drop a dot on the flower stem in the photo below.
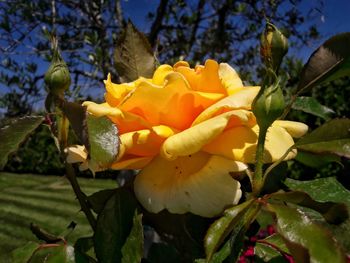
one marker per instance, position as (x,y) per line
(258,173)
(70,174)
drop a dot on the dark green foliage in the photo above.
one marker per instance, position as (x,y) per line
(114,225)
(38,155)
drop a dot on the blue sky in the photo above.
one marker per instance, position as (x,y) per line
(335,18)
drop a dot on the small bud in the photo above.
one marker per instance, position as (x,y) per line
(269,103)
(57,77)
(273,47)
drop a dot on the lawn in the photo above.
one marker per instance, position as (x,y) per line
(45,200)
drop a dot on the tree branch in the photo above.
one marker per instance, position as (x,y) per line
(157,23)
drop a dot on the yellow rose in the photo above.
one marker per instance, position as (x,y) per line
(187,130)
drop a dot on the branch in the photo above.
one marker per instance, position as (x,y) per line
(157,23)
(200,8)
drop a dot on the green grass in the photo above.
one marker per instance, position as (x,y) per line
(44,200)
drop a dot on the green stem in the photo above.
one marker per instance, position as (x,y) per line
(70,174)
(258,173)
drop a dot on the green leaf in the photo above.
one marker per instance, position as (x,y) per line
(327,189)
(114,224)
(98,200)
(81,247)
(328,62)
(222,227)
(332,137)
(76,115)
(306,240)
(323,189)
(24,254)
(132,250)
(61,254)
(12,135)
(317,160)
(53,254)
(103,140)
(312,106)
(266,248)
(334,213)
(134,56)
(98,134)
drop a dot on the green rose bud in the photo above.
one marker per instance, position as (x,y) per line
(273,47)
(269,104)
(57,77)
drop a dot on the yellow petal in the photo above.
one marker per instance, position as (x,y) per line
(239,143)
(295,129)
(125,121)
(229,78)
(205,79)
(103,109)
(174,104)
(193,139)
(181,63)
(161,73)
(200,184)
(145,142)
(240,100)
(131,163)
(76,154)
(117,92)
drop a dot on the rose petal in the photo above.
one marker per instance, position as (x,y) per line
(239,143)
(229,78)
(295,129)
(76,153)
(117,92)
(204,79)
(161,73)
(193,139)
(200,184)
(145,142)
(131,163)
(173,105)
(240,100)
(125,121)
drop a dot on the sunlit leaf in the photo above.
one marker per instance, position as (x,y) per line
(103,140)
(334,213)
(98,134)
(327,189)
(312,106)
(23,254)
(114,224)
(12,135)
(328,62)
(332,137)
(306,240)
(132,250)
(222,227)
(134,56)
